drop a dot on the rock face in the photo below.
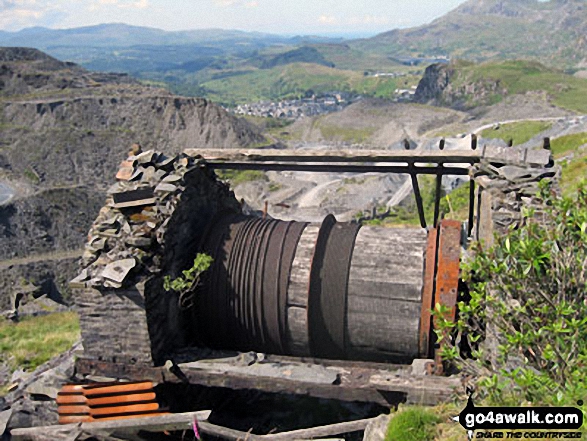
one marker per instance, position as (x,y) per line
(63,130)
(434,82)
(447,85)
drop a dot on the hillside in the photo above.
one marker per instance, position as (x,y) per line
(63,131)
(550,31)
(464,85)
(294,80)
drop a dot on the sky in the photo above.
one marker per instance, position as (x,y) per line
(318,17)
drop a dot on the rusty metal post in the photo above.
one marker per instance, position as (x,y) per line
(438,193)
(428,294)
(447,275)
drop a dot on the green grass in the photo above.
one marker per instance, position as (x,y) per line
(294,80)
(237,177)
(35,340)
(574,170)
(565,144)
(519,132)
(413,424)
(454,206)
(520,77)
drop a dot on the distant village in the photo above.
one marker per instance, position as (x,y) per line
(298,108)
(312,105)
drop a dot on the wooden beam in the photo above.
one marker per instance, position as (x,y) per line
(171,422)
(354,384)
(300,156)
(184,421)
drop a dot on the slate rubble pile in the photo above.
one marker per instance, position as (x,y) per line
(128,236)
(512,188)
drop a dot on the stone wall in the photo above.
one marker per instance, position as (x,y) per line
(504,190)
(151,226)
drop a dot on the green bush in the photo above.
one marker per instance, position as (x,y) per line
(413,424)
(185,284)
(523,332)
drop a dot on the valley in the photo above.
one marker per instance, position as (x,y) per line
(73,102)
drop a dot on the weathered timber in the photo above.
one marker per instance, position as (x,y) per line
(297,331)
(170,422)
(354,384)
(522,156)
(385,293)
(297,293)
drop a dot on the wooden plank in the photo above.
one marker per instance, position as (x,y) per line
(180,422)
(299,279)
(320,431)
(169,422)
(298,339)
(385,292)
(493,153)
(391,156)
(350,389)
(428,390)
(355,384)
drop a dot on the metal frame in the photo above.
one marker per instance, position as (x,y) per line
(360,161)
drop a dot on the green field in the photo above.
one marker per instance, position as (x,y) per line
(574,167)
(294,80)
(518,132)
(520,77)
(35,340)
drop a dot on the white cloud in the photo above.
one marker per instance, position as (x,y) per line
(237,3)
(328,19)
(121,4)
(17,14)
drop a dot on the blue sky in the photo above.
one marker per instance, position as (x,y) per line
(275,16)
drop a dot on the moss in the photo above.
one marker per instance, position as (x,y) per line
(413,424)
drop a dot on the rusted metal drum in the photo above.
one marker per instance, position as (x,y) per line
(331,290)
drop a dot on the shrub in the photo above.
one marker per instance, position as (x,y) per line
(185,284)
(523,332)
(413,424)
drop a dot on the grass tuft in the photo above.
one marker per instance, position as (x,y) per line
(35,340)
(413,424)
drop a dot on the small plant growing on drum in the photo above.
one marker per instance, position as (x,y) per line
(186,284)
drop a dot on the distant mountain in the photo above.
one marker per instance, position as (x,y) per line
(553,32)
(120,35)
(304,54)
(63,132)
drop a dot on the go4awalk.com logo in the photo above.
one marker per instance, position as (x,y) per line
(521,422)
